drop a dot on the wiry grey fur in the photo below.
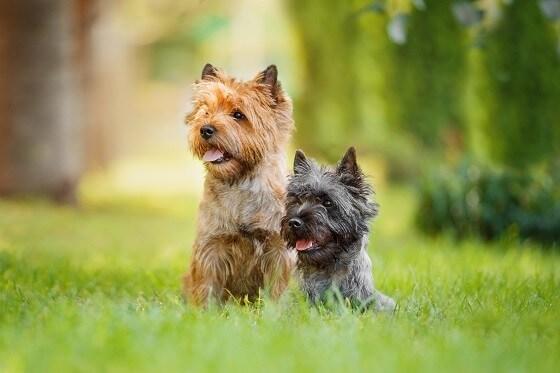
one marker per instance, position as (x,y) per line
(338,263)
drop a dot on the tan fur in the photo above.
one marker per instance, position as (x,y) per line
(238,249)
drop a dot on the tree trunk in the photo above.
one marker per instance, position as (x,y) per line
(41,140)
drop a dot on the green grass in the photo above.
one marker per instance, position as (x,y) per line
(98,288)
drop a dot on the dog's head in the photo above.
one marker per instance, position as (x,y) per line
(326,209)
(235,124)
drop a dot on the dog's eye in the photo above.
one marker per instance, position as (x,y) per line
(327,203)
(294,198)
(238,115)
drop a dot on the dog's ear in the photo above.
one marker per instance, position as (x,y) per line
(348,164)
(209,71)
(269,77)
(351,175)
(301,164)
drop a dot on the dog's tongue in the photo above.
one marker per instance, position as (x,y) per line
(212,155)
(303,244)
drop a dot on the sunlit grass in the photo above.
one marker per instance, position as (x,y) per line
(98,288)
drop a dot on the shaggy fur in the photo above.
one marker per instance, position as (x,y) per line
(327,216)
(238,249)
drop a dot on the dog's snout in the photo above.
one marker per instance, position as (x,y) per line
(295,223)
(207,131)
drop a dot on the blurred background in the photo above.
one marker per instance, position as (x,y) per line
(456,103)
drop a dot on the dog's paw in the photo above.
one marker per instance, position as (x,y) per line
(384,303)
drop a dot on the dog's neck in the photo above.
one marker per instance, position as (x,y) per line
(254,201)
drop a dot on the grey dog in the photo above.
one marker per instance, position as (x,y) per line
(326,221)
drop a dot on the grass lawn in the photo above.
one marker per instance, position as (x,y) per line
(98,288)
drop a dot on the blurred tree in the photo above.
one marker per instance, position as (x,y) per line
(327,111)
(103,58)
(518,87)
(350,67)
(41,143)
(425,73)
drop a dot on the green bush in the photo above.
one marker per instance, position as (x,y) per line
(474,200)
(357,86)
(425,76)
(518,90)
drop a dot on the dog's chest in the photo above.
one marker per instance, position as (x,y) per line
(353,281)
(245,205)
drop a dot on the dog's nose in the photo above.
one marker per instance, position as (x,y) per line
(207,131)
(295,223)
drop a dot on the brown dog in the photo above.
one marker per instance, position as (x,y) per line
(239,130)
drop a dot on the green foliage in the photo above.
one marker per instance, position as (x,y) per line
(490,204)
(98,289)
(518,91)
(358,86)
(327,110)
(424,77)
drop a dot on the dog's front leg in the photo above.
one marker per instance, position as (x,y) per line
(277,264)
(207,276)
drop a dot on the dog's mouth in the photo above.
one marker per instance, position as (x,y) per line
(216,156)
(305,245)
